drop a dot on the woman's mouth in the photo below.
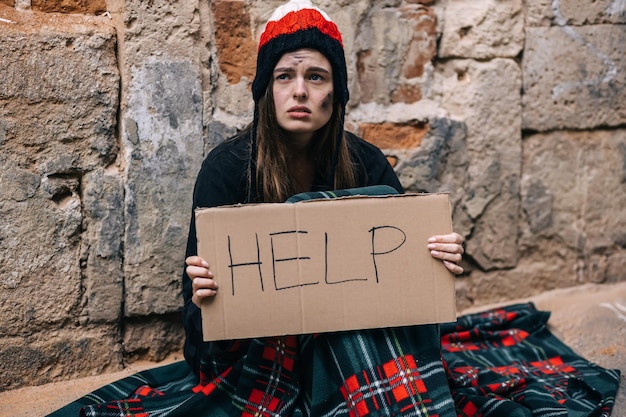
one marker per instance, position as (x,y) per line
(299,112)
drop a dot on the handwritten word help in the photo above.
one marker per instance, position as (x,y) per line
(289,252)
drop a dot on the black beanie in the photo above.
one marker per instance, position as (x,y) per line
(295,25)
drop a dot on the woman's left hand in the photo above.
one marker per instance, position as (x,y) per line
(448,248)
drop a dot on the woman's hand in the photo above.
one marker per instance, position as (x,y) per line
(202,283)
(448,248)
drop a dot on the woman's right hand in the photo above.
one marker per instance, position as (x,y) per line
(202,283)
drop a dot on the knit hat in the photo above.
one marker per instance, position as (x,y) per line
(295,25)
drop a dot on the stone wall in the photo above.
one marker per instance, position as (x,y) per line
(107,109)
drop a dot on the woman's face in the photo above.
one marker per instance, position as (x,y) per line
(303,93)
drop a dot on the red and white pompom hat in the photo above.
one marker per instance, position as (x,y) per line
(295,25)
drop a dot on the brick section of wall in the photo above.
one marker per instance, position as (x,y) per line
(394,135)
(236,50)
(94,7)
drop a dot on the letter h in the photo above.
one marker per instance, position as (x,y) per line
(258,263)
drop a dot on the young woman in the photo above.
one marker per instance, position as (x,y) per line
(296,143)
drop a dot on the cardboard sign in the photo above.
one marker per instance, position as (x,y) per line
(325,265)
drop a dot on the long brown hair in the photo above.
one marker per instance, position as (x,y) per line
(274,183)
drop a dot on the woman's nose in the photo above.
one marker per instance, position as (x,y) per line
(300,90)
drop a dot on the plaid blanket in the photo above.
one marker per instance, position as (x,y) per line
(502,362)
(506,362)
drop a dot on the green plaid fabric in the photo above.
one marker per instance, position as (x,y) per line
(505,362)
(500,363)
(362,191)
(387,372)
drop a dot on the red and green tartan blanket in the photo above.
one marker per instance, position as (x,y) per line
(501,362)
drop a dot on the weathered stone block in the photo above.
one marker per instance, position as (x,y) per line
(66,81)
(152,338)
(102,254)
(39,242)
(574,12)
(436,161)
(616,265)
(482,29)
(58,355)
(570,73)
(573,199)
(158,29)
(395,47)
(58,106)
(163,137)
(438,164)
(485,96)
(528,279)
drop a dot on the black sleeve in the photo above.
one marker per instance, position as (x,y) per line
(385,175)
(221,181)
(373,168)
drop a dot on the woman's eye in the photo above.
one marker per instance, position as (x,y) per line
(316,77)
(282,77)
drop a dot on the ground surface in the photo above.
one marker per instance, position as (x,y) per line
(591,319)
